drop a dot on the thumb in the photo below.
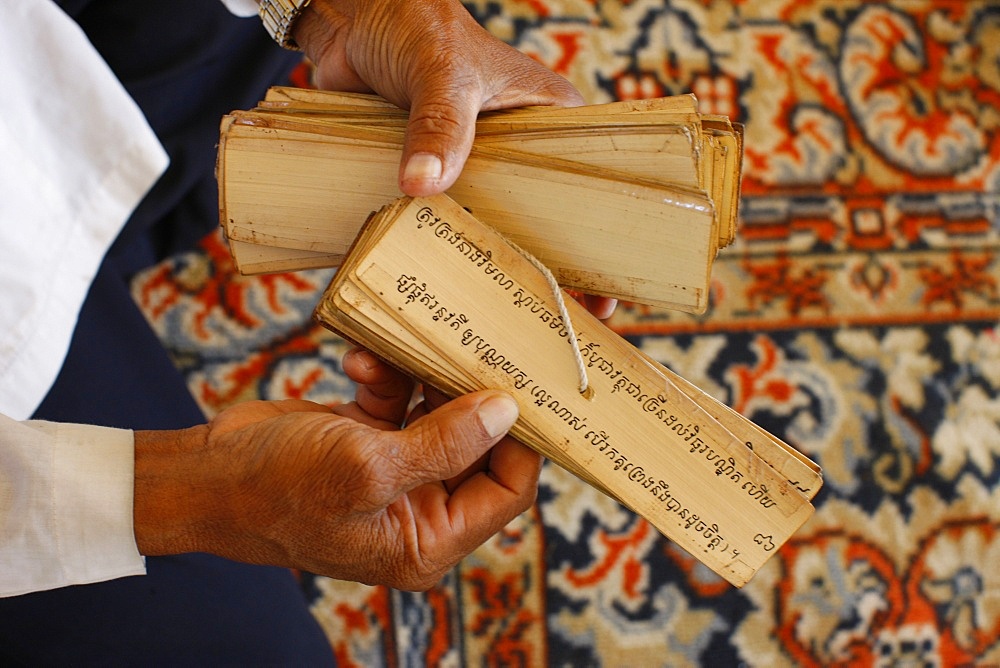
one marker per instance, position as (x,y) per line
(450,439)
(439,136)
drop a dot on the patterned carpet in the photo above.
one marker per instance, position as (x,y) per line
(855,317)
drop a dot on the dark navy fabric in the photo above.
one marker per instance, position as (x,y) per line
(186,62)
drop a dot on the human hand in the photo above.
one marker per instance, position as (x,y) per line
(339,491)
(431,57)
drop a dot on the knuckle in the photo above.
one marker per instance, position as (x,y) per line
(369,473)
(420,575)
(445,446)
(434,119)
(379,483)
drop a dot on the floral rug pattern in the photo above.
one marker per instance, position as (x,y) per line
(855,317)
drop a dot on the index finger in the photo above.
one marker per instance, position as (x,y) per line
(382,391)
(462,518)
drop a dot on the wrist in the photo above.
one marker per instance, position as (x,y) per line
(172,501)
(316,26)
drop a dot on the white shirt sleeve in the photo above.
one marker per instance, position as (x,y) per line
(78,155)
(242,7)
(65,505)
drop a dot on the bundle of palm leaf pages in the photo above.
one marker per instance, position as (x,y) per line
(628,199)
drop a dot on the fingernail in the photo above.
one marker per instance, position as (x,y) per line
(498,414)
(423,167)
(368,360)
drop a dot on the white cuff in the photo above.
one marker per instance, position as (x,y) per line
(65,506)
(242,7)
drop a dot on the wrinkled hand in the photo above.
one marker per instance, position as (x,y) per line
(433,58)
(342,492)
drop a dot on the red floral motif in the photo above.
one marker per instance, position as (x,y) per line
(902,81)
(300,389)
(234,289)
(842,602)
(776,280)
(619,552)
(968,275)
(761,380)
(798,135)
(220,290)
(441,641)
(502,615)
(364,616)
(837,593)
(227,387)
(958,596)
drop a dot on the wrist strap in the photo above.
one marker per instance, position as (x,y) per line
(279,16)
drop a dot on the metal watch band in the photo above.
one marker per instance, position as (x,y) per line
(279,16)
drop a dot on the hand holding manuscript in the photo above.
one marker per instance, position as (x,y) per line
(439,294)
(630,199)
